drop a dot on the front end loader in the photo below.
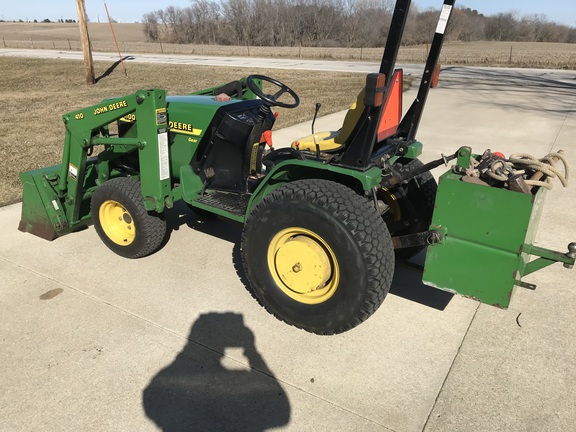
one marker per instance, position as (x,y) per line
(324,220)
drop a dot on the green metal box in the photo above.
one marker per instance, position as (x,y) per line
(487,236)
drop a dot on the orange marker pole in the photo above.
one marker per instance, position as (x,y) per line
(115,41)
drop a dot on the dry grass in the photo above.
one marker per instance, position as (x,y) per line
(35,94)
(132,40)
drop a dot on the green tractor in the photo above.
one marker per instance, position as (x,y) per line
(324,220)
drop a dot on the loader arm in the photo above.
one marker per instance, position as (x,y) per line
(56,199)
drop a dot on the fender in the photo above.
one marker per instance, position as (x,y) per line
(295,169)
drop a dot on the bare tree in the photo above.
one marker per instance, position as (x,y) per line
(470,25)
(421,26)
(352,23)
(204,15)
(151,27)
(535,28)
(365,22)
(502,27)
(237,13)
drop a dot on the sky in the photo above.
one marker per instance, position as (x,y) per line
(560,11)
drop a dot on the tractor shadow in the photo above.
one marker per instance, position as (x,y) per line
(181,215)
(407,281)
(217,382)
(407,284)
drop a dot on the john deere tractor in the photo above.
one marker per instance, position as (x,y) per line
(324,220)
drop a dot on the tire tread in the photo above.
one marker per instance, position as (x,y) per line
(152,227)
(365,224)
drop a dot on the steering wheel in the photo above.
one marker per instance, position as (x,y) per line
(271,100)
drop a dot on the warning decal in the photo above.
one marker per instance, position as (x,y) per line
(73,172)
(161,116)
(163,155)
(443,21)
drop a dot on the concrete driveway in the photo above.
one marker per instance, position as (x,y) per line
(94,342)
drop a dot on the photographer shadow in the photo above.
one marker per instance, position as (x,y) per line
(206,388)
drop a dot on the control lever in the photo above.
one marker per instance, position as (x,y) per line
(318,105)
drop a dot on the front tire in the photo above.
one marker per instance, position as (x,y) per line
(122,222)
(317,256)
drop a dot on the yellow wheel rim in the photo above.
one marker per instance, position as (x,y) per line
(303,265)
(117,223)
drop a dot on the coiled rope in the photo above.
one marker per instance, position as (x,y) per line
(533,168)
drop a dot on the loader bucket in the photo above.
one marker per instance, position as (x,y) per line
(487,234)
(42,211)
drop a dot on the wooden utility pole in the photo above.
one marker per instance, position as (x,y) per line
(85,38)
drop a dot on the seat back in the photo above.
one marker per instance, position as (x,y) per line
(351,118)
(332,141)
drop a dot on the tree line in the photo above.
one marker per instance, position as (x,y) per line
(46,20)
(334,23)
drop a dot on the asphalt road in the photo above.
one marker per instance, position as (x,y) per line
(514,76)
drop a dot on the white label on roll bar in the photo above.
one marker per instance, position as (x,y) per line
(443,21)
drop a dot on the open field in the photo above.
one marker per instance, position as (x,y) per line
(35,94)
(132,40)
(38,92)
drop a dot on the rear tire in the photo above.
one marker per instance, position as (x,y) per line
(317,256)
(122,222)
